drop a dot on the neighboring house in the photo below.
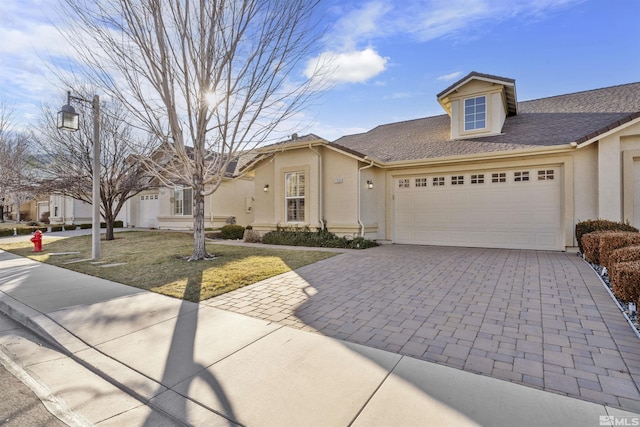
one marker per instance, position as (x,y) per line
(171,208)
(491,172)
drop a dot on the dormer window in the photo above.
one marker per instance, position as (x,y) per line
(475,113)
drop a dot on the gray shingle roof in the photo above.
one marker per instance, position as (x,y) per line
(556,120)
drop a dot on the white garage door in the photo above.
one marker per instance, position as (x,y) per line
(148,212)
(518,209)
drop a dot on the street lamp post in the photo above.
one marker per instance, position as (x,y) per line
(68,120)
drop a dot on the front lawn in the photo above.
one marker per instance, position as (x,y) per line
(155,261)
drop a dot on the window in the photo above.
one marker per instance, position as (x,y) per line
(457,180)
(475,113)
(182,201)
(294,196)
(421,182)
(477,179)
(520,176)
(403,183)
(499,177)
(545,175)
(438,181)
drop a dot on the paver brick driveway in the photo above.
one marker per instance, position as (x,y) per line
(538,318)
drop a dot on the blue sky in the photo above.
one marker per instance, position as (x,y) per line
(393,58)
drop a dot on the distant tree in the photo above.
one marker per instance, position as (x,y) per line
(18,167)
(67,160)
(210,79)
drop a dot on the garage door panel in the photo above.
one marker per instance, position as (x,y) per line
(507,214)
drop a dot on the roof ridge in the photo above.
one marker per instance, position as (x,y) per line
(578,92)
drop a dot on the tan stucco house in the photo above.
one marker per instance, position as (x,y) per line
(491,172)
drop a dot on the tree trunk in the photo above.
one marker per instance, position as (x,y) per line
(109,233)
(199,250)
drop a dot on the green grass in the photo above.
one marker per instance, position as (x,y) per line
(155,261)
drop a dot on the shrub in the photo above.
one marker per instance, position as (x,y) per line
(232,231)
(116,224)
(589,226)
(611,241)
(32,224)
(251,236)
(6,232)
(591,246)
(622,255)
(85,226)
(320,238)
(626,284)
(56,228)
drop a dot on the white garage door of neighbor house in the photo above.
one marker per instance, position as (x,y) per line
(148,213)
(516,209)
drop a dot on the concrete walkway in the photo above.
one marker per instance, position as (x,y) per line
(196,364)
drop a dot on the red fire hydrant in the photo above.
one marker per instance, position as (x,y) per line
(37,241)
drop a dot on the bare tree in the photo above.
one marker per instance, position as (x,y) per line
(18,167)
(212,79)
(68,160)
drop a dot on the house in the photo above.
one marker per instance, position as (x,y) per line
(490,172)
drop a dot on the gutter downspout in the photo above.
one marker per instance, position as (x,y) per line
(360,195)
(320,188)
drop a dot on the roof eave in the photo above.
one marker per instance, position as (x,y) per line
(492,155)
(614,127)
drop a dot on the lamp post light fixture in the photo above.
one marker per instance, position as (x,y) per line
(68,119)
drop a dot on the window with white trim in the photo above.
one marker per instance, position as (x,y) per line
(477,179)
(421,182)
(521,176)
(545,175)
(438,181)
(294,196)
(499,177)
(182,201)
(475,113)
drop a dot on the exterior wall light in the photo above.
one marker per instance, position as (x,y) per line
(266,188)
(370,184)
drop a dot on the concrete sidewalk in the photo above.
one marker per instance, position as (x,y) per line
(182,362)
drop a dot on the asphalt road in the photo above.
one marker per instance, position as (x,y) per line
(19,406)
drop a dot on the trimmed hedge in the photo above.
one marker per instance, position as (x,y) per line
(589,226)
(116,224)
(232,232)
(617,260)
(55,228)
(591,246)
(85,226)
(6,232)
(28,230)
(320,238)
(626,284)
(609,242)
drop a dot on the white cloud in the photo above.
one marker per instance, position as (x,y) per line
(450,76)
(348,67)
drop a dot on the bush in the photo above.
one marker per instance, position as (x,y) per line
(32,224)
(589,226)
(617,257)
(116,224)
(85,226)
(56,228)
(320,238)
(6,232)
(232,232)
(609,242)
(591,246)
(626,284)
(251,236)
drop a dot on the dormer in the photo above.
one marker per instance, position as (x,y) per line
(478,105)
